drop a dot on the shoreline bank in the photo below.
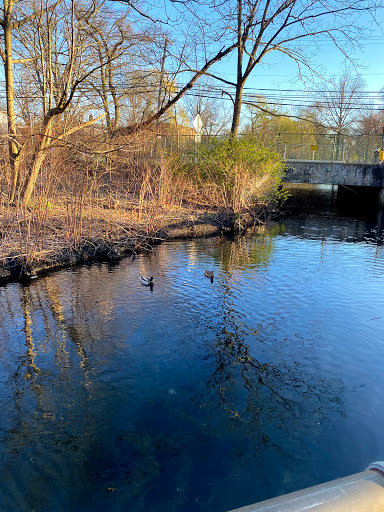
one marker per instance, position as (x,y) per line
(119,241)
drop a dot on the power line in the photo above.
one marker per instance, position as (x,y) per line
(270,97)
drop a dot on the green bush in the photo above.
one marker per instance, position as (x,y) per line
(236,173)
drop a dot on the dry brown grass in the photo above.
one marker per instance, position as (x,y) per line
(96,195)
(104,190)
(38,233)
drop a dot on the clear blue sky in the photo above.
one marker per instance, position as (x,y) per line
(277,71)
(277,77)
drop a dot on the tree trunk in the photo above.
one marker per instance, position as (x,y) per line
(237,110)
(38,160)
(12,132)
(240,81)
(42,151)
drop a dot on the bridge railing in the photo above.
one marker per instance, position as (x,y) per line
(345,148)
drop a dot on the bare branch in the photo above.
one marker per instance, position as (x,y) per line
(17,24)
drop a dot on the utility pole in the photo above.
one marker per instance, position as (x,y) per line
(166,41)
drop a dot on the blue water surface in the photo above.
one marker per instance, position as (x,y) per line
(197,396)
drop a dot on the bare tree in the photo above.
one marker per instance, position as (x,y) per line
(185,54)
(338,101)
(9,22)
(336,109)
(261,27)
(60,59)
(179,92)
(117,45)
(371,123)
(255,28)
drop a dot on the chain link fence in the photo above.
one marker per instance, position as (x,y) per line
(291,146)
(336,148)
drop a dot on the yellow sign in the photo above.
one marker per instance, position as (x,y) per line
(314,148)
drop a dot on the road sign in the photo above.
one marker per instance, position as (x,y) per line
(198,123)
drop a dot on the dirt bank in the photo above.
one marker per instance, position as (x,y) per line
(31,246)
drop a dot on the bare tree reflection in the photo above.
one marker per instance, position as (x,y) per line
(46,419)
(65,396)
(264,396)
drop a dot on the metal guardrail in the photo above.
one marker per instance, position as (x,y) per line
(362,492)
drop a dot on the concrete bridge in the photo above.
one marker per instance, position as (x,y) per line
(323,172)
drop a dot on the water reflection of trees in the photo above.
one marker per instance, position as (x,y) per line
(254,391)
(62,325)
(316,226)
(266,398)
(253,250)
(45,420)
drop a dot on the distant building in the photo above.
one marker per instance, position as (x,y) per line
(169,128)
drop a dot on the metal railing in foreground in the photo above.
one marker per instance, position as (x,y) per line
(362,492)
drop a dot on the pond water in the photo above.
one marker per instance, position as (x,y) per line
(197,396)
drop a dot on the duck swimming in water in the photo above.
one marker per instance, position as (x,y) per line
(146,281)
(209,273)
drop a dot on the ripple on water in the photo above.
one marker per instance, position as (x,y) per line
(195,394)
